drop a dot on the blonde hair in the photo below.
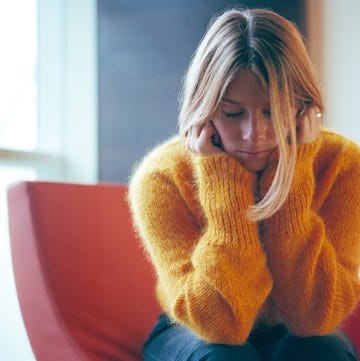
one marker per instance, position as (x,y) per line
(273,48)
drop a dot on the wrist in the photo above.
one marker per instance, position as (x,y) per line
(304,159)
(223,168)
(226,189)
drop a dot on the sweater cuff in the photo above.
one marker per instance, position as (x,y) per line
(222,167)
(304,159)
(292,217)
(305,153)
(226,190)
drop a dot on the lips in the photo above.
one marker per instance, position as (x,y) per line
(254,154)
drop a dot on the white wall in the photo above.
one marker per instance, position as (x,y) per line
(334,29)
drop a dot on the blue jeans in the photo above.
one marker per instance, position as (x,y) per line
(171,342)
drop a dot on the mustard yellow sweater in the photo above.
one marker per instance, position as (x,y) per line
(221,275)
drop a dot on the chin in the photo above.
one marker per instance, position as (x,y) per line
(254,166)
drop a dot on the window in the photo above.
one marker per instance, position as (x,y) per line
(48,118)
(18,75)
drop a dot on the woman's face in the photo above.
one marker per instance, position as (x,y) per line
(244,122)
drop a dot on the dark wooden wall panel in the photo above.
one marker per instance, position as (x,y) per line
(143,50)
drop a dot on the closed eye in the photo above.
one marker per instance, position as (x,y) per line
(233,114)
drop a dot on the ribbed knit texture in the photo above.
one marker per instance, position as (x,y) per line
(216,274)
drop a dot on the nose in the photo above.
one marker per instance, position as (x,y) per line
(255,129)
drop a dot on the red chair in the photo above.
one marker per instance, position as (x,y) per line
(86,291)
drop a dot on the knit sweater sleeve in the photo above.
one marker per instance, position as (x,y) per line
(314,251)
(214,278)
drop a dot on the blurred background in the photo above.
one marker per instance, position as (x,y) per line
(88,86)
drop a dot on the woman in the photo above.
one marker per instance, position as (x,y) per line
(251,215)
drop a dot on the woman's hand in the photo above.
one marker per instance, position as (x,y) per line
(309,126)
(204,139)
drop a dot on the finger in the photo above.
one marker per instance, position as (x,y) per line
(312,119)
(305,126)
(200,139)
(205,138)
(195,138)
(318,119)
(309,126)
(315,122)
(192,138)
(212,138)
(216,140)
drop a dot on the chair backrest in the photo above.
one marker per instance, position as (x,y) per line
(85,289)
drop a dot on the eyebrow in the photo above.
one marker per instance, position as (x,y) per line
(231,101)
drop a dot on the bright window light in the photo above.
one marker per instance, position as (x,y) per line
(18,74)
